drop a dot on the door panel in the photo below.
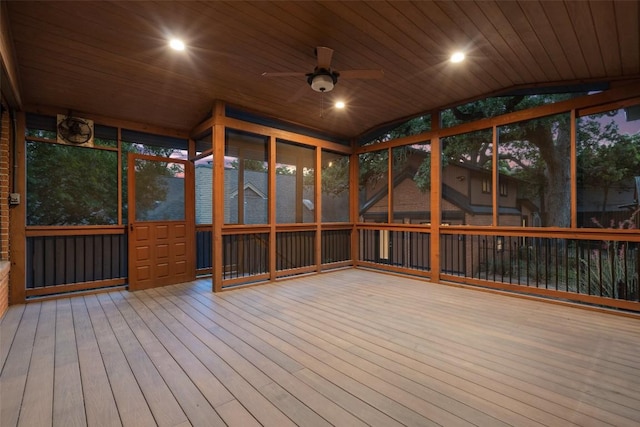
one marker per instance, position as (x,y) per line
(161,222)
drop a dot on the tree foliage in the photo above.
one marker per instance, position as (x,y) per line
(69,185)
(251,165)
(151,185)
(606,157)
(537,152)
(335,176)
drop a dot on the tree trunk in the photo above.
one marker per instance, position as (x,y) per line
(557,197)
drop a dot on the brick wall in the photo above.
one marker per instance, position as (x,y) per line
(4,209)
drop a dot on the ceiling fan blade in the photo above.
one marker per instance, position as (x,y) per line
(283,74)
(303,90)
(324,55)
(361,74)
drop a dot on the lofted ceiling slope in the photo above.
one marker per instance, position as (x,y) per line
(112,59)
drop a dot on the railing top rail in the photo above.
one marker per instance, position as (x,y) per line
(74,230)
(632,235)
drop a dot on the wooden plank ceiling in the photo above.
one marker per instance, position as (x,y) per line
(112,59)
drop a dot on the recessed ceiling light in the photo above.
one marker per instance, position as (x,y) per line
(176,44)
(340,104)
(457,57)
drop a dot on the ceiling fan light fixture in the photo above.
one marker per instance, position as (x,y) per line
(322,82)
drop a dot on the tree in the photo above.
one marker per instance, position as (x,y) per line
(69,185)
(151,185)
(606,157)
(250,164)
(536,151)
(335,176)
(540,152)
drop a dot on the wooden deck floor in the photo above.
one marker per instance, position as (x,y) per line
(345,348)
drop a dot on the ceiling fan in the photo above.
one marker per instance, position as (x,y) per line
(323,78)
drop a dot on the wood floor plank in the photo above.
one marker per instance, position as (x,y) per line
(8,328)
(37,404)
(453,330)
(349,347)
(16,367)
(239,377)
(197,322)
(68,404)
(288,385)
(542,369)
(234,414)
(166,410)
(271,354)
(457,399)
(464,348)
(292,407)
(562,348)
(99,401)
(229,326)
(268,359)
(195,406)
(367,413)
(384,395)
(441,407)
(214,391)
(413,343)
(132,406)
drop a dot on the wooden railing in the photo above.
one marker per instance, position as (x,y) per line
(245,256)
(295,252)
(602,271)
(336,247)
(61,260)
(203,249)
(594,266)
(74,259)
(401,249)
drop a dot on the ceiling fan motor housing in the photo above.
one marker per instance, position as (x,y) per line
(322,80)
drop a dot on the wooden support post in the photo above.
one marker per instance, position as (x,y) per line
(354,204)
(17,219)
(389,185)
(272,208)
(495,177)
(317,206)
(436,197)
(120,168)
(217,199)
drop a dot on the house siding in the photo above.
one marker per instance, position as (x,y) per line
(256,197)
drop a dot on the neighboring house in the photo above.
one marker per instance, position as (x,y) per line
(256,190)
(618,205)
(466,198)
(171,207)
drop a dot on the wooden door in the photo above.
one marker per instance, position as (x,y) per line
(161,221)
